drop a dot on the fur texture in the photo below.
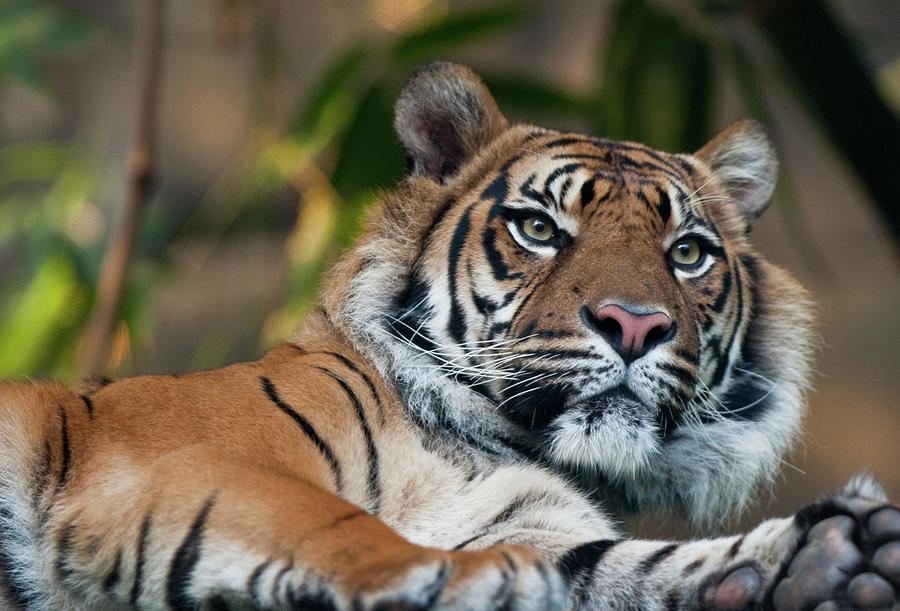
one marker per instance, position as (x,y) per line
(533,326)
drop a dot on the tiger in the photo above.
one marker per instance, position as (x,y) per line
(536,332)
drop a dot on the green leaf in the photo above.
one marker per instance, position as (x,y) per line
(29,33)
(330,101)
(19,64)
(24,28)
(35,316)
(31,162)
(69,32)
(369,155)
(456,30)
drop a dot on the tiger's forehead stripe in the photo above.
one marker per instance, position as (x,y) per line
(649,176)
(618,153)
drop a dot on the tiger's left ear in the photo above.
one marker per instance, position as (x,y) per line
(743,159)
(443,117)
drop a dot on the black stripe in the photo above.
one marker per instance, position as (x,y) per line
(488,242)
(550,334)
(253,580)
(338,521)
(561,354)
(681,374)
(374,486)
(734,549)
(642,197)
(315,600)
(216,603)
(16,589)
(664,207)
(101,381)
(63,547)
(455,325)
(529,192)
(693,566)
(588,193)
(648,564)
(352,367)
(724,293)
(564,189)
(582,560)
(185,561)
(523,302)
(89,405)
(499,268)
(687,355)
(469,540)
(515,505)
(42,478)
(276,584)
(724,362)
(139,559)
(441,213)
(501,595)
(66,457)
(307,428)
(560,171)
(115,574)
(615,158)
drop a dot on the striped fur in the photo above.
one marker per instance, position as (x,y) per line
(429,436)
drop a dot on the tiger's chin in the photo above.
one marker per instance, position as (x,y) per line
(613,434)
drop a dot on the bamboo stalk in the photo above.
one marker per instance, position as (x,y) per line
(119,250)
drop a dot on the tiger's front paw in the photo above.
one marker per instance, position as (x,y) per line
(849,558)
(500,577)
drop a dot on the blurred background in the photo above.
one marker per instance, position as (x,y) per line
(267,129)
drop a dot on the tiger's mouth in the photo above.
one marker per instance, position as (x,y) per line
(596,406)
(612,432)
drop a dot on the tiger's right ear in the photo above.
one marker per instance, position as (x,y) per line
(443,117)
(743,158)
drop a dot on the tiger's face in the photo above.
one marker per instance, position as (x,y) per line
(589,302)
(589,288)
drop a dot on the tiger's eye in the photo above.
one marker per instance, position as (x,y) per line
(538,228)
(686,252)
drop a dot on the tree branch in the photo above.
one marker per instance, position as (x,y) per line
(119,250)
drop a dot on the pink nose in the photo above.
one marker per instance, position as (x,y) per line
(631,335)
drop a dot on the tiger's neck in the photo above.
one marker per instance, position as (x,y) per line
(439,407)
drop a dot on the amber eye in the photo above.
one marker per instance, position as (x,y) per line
(538,228)
(686,252)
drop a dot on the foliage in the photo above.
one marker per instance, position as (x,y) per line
(34,32)
(655,81)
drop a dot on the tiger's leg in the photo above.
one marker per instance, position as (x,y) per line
(197,529)
(843,552)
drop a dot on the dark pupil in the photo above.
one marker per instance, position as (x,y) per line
(538,226)
(685,250)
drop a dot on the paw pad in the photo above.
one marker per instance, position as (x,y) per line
(885,523)
(831,572)
(736,591)
(868,590)
(887,561)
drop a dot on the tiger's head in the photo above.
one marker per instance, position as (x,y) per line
(589,303)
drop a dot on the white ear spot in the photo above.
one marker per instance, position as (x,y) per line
(743,159)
